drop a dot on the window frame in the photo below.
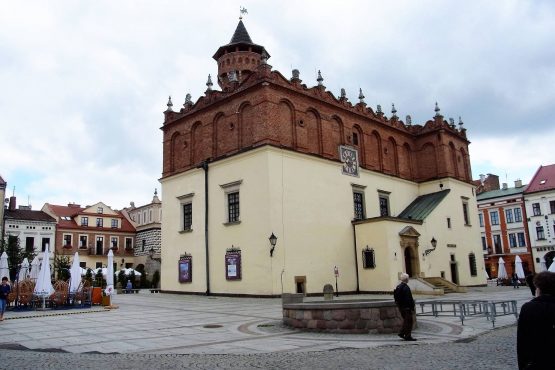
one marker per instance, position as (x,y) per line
(494,220)
(65,244)
(114,223)
(481,219)
(472,264)
(384,203)
(184,200)
(81,236)
(128,246)
(32,244)
(112,239)
(465,209)
(232,214)
(540,233)
(518,214)
(359,205)
(99,222)
(509,215)
(536,209)
(84,221)
(521,238)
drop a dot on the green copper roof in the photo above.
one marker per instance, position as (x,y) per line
(422,206)
(500,193)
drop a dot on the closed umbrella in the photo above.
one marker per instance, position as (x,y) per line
(501,272)
(4,269)
(35,266)
(43,286)
(518,268)
(24,270)
(110,275)
(552,267)
(75,272)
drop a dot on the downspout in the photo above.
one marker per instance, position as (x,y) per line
(356,258)
(204,166)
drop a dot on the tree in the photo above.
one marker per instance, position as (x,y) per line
(62,266)
(15,254)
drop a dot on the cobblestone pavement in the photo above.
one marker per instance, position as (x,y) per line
(178,331)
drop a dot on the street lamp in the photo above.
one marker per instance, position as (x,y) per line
(273,241)
(434,244)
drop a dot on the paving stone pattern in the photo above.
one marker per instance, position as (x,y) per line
(162,331)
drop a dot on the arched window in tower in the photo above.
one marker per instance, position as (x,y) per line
(355,138)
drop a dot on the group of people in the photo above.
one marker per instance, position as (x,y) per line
(536,322)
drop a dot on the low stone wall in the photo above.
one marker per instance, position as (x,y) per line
(344,316)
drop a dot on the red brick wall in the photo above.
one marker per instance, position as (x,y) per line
(268,109)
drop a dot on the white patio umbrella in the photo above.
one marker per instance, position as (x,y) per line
(75,272)
(24,270)
(518,268)
(83,271)
(34,273)
(551,267)
(501,272)
(43,286)
(543,267)
(103,269)
(110,278)
(4,269)
(128,271)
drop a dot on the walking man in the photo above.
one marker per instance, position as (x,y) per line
(405,303)
(4,291)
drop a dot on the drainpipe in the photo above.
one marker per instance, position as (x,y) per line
(204,166)
(356,254)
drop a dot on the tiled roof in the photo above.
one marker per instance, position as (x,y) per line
(241,35)
(2,182)
(544,179)
(422,206)
(500,193)
(73,211)
(28,215)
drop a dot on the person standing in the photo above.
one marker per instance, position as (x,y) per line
(515,280)
(536,326)
(4,291)
(405,303)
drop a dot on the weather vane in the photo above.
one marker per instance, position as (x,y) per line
(242,11)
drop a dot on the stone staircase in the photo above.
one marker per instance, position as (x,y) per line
(447,286)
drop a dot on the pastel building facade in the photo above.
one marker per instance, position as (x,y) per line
(540,208)
(349,193)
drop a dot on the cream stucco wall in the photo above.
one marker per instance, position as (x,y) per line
(308,204)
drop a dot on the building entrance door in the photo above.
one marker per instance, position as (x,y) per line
(454,272)
(408,262)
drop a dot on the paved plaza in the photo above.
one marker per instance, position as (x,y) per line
(181,331)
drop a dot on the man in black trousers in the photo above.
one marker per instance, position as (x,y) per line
(405,303)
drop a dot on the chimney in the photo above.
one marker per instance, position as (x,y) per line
(73,205)
(12,206)
(518,183)
(505,187)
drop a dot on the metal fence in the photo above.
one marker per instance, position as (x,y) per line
(465,309)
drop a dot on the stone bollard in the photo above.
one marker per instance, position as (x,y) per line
(328,292)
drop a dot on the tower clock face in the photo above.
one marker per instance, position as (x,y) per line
(349,157)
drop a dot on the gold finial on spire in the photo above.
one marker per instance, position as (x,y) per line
(242,11)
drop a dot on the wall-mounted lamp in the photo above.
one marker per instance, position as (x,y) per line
(273,241)
(434,244)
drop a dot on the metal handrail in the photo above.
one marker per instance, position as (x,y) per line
(467,308)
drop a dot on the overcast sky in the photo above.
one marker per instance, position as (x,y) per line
(83,84)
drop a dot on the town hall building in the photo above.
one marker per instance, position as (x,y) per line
(272,186)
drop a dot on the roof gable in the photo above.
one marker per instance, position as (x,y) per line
(106,210)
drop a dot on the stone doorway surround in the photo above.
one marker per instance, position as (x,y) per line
(408,240)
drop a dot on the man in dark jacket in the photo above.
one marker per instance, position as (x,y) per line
(536,326)
(405,303)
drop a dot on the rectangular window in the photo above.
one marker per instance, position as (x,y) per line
(45,243)
(536,209)
(494,216)
(448,222)
(114,242)
(509,216)
(143,245)
(98,264)
(481,219)
(115,223)
(150,215)
(368,258)
(100,210)
(233,206)
(83,241)
(518,214)
(540,233)
(552,206)
(128,243)
(99,222)
(358,200)
(512,240)
(84,221)
(29,244)
(465,213)
(484,243)
(497,244)
(384,205)
(187,216)
(472,264)
(521,240)
(67,240)
(99,245)
(83,265)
